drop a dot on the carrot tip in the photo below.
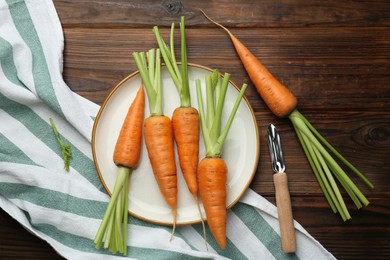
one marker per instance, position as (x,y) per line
(174,224)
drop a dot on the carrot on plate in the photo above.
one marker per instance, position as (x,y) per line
(158,131)
(126,157)
(283,103)
(212,170)
(185,118)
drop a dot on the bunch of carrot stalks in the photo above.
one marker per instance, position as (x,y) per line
(318,151)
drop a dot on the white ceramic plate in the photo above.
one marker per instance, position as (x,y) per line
(241,150)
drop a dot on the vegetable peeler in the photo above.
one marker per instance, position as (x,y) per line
(283,202)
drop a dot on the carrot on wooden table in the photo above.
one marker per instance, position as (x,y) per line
(283,104)
(212,170)
(185,118)
(158,131)
(126,156)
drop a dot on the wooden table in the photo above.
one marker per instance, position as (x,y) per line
(333,55)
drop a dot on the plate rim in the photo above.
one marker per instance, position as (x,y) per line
(93,139)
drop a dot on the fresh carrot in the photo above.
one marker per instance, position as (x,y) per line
(283,104)
(126,156)
(277,97)
(212,170)
(212,176)
(185,118)
(185,121)
(158,131)
(159,143)
(127,149)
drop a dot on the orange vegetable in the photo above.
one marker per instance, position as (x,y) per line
(159,143)
(158,131)
(128,146)
(126,156)
(278,98)
(212,176)
(185,122)
(212,170)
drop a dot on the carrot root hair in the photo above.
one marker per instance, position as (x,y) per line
(202,221)
(174,213)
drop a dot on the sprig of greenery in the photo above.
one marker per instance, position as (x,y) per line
(65,149)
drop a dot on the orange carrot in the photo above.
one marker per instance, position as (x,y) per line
(185,122)
(212,176)
(126,156)
(278,98)
(283,104)
(158,131)
(127,149)
(212,170)
(159,143)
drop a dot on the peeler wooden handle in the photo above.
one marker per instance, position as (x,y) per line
(283,203)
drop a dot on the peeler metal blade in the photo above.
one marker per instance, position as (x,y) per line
(275,149)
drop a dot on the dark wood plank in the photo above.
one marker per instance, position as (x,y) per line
(316,64)
(288,13)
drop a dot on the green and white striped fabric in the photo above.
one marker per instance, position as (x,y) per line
(65,208)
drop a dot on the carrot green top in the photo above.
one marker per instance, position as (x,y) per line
(149,66)
(213,135)
(179,77)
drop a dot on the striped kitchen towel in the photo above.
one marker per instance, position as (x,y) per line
(65,208)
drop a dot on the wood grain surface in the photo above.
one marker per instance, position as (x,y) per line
(333,55)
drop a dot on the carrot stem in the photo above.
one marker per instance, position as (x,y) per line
(315,170)
(309,137)
(203,123)
(150,71)
(211,130)
(114,224)
(210,103)
(221,88)
(334,151)
(185,91)
(179,76)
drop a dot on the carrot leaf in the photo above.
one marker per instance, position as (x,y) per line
(149,66)
(211,122)
(179,76)
(65,149)
(113,228)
